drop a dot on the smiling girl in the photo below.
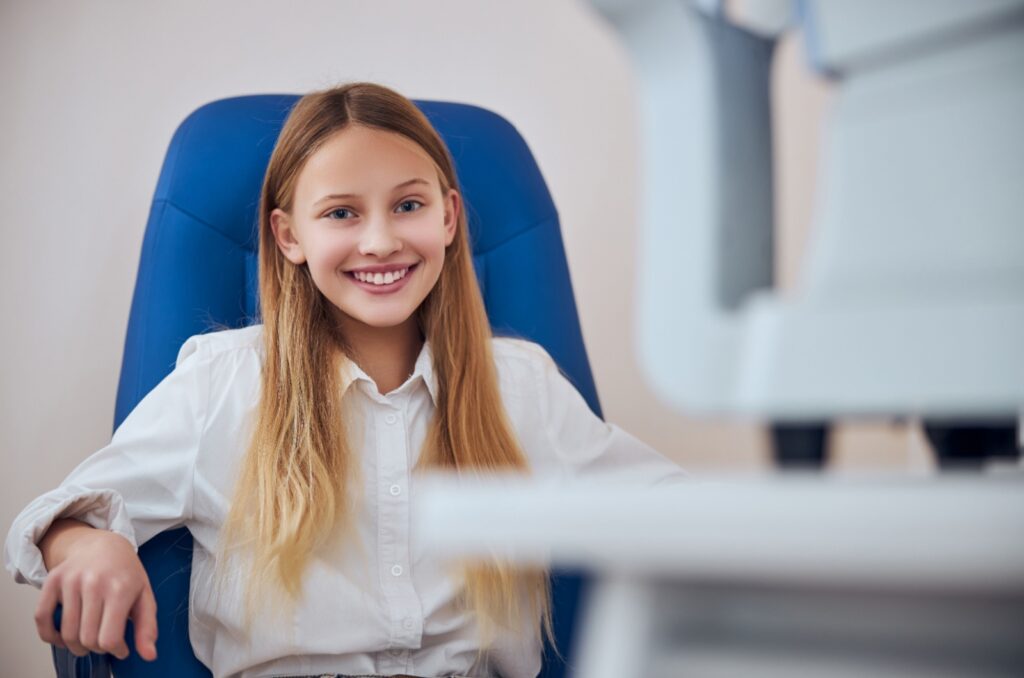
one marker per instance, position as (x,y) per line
(291,449)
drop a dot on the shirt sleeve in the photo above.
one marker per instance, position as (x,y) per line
(140,484)
(590,447)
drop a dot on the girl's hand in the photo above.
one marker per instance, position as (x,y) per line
(97,577)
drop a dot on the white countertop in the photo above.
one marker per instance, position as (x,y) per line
(965,533)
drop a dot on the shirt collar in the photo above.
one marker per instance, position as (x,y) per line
(423,369)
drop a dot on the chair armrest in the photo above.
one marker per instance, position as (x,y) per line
(68,665)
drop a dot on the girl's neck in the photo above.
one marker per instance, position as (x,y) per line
(387,354)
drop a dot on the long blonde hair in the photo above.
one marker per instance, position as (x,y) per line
(295,487)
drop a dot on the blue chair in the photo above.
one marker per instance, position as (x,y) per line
(199,269)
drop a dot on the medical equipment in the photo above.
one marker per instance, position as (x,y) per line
(912,300)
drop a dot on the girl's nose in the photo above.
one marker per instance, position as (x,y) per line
(378,238)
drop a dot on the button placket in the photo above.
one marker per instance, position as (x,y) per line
(394,660)
(403,603)
(391,456)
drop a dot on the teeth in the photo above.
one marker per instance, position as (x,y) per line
(381,278)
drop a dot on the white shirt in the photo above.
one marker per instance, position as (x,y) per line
(379,607)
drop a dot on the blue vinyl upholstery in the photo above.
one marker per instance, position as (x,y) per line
(198,270)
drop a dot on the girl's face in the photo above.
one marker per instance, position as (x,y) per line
(371,221)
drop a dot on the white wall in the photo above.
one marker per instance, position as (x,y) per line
(92,92)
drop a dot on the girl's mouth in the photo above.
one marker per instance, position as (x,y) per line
(382,283)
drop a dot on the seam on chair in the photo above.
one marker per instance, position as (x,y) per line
(515,235)
(144,330)
(186,131)
(255,315)
(205,223)
(162,204)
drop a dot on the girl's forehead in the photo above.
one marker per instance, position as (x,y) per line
(363,153)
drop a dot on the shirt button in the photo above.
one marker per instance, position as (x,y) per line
(408,623)
(395,490)
(396,570)
(391,419)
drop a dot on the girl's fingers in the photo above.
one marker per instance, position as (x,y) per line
(48,600)
(89,621)
(69,620)
(111,636)
(143,614)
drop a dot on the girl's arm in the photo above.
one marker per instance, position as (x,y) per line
(588,446)
(62,536)
(132,489)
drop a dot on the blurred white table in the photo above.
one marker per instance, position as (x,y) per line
(781,576)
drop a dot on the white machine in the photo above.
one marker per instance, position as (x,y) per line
(913,298)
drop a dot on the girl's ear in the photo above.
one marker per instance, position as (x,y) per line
(452,205)
(284,233)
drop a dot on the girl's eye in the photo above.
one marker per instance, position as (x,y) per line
(409,206)
(341,212)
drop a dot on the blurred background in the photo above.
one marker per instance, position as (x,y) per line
(95,89)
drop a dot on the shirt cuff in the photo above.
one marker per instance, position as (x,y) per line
(102,509)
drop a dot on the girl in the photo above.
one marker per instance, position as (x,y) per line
(289,448)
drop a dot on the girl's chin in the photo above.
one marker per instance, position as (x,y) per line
(374,321)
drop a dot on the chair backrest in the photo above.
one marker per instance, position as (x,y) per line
(199,268)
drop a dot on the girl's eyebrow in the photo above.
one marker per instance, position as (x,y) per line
(349,196)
